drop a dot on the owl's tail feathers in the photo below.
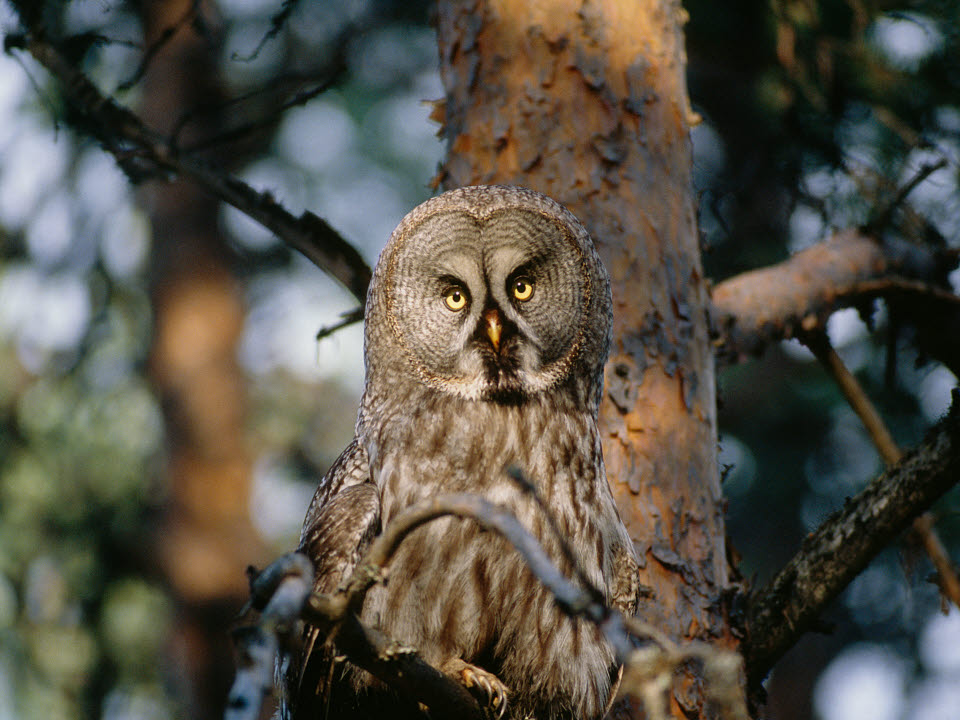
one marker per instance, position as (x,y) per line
(308,680)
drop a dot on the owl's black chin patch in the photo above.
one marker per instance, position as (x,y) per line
(501,366)
(502,378)
(507,395)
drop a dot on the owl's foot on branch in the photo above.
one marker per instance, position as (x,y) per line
(486,687)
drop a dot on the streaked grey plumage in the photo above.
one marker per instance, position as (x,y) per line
(487,326)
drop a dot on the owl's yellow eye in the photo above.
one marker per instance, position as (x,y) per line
(522,288)
(455,297)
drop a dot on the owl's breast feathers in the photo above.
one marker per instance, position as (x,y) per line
(456,591)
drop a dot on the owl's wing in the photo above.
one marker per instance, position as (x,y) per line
(625,588)
(344,516)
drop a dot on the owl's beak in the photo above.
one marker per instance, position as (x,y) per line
(494,327)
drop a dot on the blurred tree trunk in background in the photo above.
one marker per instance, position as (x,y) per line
(205,539)
(587,103)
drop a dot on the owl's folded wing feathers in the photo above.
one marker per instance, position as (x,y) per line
(343,518)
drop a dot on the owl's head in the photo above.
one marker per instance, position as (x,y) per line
(492,293)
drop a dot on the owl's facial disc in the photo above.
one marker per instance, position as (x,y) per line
(489,308)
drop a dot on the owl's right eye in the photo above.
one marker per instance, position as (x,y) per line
(455,297)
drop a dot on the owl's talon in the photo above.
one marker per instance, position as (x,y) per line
(486,687)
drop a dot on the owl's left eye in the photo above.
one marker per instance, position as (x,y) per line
(522,288)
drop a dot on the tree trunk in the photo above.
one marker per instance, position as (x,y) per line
(206,539)
(586,102)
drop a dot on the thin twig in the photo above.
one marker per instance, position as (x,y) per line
(820,346)
(348,318)
(192,11)
(333,71)
(883,214)
(946,570)
(267,121)
(225,106)
(925,171)
(276,24)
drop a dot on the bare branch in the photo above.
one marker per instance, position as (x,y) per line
(723,668)
(348,318)
(142,152)
(923,529)
(400,666)
(267,121)
(835,553)
(648,670)
(334,68)
(929,538)
(820,346)
(883,214)
(572,599)
(758,307)
(277,22)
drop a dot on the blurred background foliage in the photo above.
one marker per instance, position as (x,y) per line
(814,115)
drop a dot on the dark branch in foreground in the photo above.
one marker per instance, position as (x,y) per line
(648,670)
(278,593)
(756,308)
(572,599)
(835,553)
(143,153)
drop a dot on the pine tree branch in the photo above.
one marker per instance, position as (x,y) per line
(922,529)
(756,308)
(830,557)
(144,153)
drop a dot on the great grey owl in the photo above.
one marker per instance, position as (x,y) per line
(487,326)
